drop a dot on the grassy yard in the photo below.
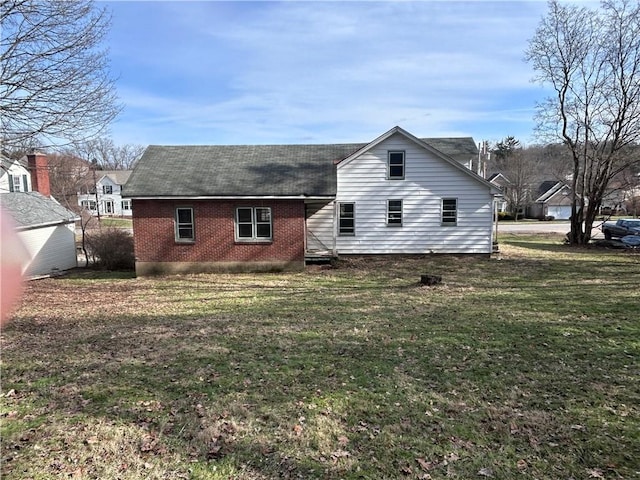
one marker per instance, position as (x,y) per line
(525,367)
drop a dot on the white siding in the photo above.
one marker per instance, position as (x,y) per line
(428,179)
(51,249)
(320,230)
(115,198)
(15,170)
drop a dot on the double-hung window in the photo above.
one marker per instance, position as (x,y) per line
(449,211)
(185,225)
(253,224)
(394,213)
(395,162)
(107,189)
(126,205)
(88,204)
(15,184)
(347,219)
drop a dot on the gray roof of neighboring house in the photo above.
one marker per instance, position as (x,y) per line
(31,209)
(548,189)
(253,170)
(6,162)
(119,177)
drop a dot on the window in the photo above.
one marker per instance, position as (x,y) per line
(449,211)
(347,219)
(253,224)
(396,165)
(126,204)
(107,189)
(394,213)
(18,183)
(184,225)
(88,204)
(108,207)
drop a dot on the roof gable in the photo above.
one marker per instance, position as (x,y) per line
(550,188)
(449,143)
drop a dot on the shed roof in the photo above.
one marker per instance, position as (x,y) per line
(253,170)
(32,209)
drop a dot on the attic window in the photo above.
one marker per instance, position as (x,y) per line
(107,189)
(396,166)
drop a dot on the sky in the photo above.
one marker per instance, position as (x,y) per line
(267,72)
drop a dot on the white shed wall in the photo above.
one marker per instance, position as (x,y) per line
(427,180)
(51,249)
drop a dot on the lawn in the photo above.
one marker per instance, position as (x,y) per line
(523,366)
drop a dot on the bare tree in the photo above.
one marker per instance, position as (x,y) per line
(591,60)
(108,155)
(520,168)
(54,80)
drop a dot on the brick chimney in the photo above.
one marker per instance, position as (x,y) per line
(39,167)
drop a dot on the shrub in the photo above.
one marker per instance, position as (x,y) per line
(111,249)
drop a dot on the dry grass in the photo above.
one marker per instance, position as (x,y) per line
(522,367)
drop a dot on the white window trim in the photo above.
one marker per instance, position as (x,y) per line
(404,164)
(353,217)
(389,211)
(178,225)
(442,213)
(254,225)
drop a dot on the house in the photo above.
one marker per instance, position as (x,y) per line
(273,206)
(503,184)
(45,228)
(14,175)
(554,200)
(106,198)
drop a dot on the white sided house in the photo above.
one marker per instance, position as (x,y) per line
(107,199)
(14,176)
(45,228)
(401,195)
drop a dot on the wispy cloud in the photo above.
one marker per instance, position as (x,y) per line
(271,72)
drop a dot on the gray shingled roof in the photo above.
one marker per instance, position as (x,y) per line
(119,177)
(30,209)
(252,170)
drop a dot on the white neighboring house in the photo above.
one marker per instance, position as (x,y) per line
(46,228)
(107,198)
(14,176)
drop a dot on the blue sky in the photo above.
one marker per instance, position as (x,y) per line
(321,72)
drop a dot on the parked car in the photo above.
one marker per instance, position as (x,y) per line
(621,228)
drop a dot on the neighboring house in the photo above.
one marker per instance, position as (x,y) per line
(554,200)
(502,183)
(14,176)
(271,206)
(106,199)
(46,228)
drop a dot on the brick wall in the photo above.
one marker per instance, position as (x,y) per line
(38,165)
(154,232)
